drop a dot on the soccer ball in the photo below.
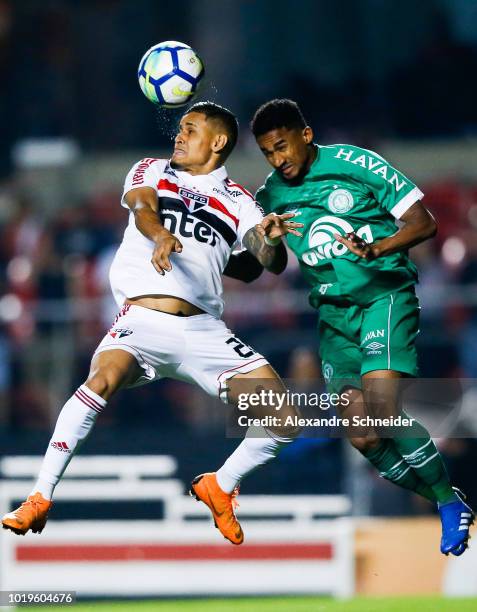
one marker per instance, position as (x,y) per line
(169,74)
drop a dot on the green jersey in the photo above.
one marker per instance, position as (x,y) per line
(346,189)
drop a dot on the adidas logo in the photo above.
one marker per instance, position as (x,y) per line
(465,521)
(61,446)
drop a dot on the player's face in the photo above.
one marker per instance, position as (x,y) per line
(288,151)
(194,143)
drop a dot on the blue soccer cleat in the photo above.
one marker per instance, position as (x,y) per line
(456,519)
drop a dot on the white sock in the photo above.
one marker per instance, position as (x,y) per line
(74,423)
(250,454)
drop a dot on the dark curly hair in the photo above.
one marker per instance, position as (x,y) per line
(275,114)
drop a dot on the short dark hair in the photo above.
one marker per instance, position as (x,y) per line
(275,114)
(224,116)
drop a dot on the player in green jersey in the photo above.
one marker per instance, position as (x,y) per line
(356,261)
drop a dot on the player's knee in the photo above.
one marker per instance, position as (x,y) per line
(105,382)
(288,426)
(286,432)
(365,444)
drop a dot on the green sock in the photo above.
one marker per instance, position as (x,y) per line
(391,466)
(420,453)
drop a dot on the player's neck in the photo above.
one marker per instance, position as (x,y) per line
(311,158)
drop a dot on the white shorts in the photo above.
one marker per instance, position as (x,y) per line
(198,349)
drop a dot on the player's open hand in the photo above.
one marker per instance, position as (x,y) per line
(276,226)
(166,244)
(357,245)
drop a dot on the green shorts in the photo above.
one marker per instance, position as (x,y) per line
(355,340)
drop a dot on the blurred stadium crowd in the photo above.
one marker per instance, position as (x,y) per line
(55,302)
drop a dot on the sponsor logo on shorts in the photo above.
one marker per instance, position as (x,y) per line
(372,335)
(374,348)
(120,332)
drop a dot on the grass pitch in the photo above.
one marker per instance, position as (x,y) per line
(279,604)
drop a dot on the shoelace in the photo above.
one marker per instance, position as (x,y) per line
(31,502)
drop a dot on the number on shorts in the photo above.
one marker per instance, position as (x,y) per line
(240,348)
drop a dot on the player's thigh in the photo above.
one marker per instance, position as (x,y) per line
(153,340)
(111,370)
(263,378)
(213,354)
(226,367)
(339,349)
(388,334)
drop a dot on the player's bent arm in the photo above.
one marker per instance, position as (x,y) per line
(244,267)
(144,204)
(418,225)
(273,258)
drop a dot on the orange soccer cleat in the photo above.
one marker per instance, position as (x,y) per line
(32,514)
(221,504)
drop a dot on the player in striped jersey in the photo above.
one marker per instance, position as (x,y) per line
(185,219)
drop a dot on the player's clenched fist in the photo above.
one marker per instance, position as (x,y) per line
(166,244)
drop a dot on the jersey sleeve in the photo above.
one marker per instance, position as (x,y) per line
(144,173)
(262,197)
(251,213)
(392,190)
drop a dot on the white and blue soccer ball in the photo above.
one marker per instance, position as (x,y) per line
(170,73)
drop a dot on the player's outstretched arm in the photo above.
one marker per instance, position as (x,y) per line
(264,240)
(144,204)
(418,225)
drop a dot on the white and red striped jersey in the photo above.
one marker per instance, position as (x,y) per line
(208,213)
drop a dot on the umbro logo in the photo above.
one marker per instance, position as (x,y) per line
(61,446)
(120,332)
(374,346)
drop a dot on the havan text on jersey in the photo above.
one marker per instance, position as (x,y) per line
(375,165)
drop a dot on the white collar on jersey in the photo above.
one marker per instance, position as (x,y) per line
(219,173)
